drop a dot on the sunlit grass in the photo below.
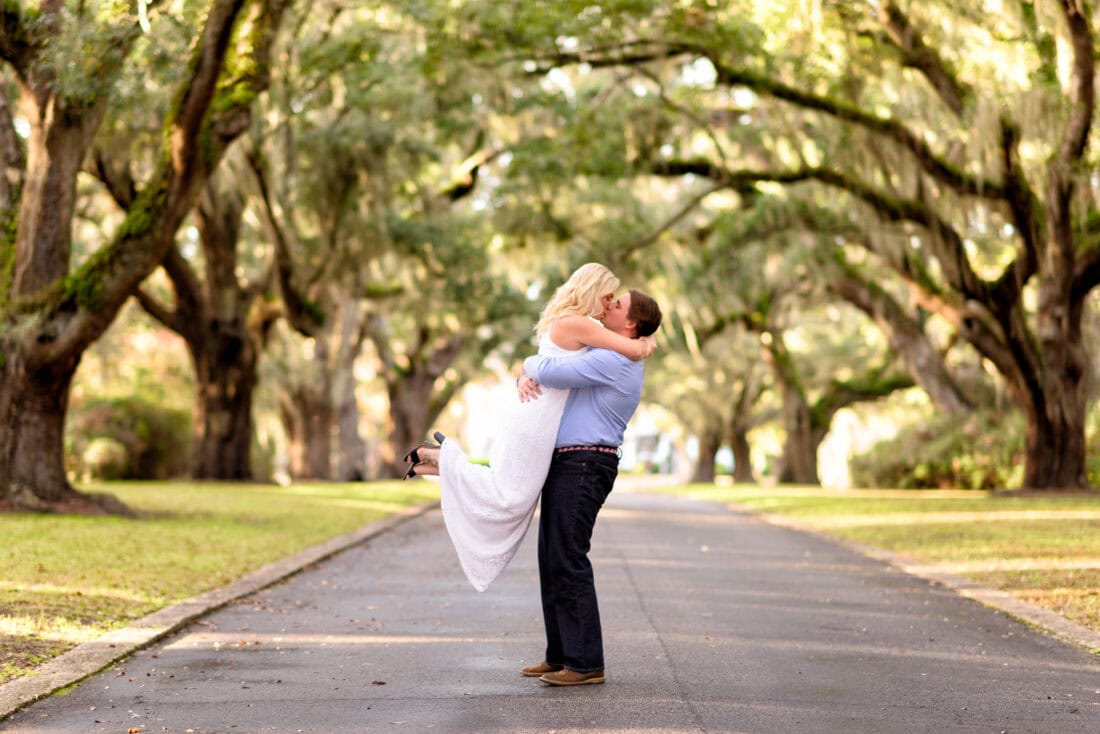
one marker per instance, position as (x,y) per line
(1043,549)
(67,579)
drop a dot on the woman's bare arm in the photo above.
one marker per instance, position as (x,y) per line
(573,332)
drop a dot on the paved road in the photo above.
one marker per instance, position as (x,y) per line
(713,622)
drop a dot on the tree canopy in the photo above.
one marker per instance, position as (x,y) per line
(850,198)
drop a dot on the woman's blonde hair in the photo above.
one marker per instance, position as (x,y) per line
(579,296)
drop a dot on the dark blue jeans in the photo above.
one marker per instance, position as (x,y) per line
(574,492)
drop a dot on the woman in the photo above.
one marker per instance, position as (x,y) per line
(487,509)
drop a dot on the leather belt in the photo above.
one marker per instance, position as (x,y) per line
(600,449)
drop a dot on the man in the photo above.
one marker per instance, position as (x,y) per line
(607,388)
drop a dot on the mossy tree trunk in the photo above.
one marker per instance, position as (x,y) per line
(221,434)
(51,312)
(32,417)
(224,323)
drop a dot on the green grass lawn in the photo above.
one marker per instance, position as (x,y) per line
(1043,549)
(67,579)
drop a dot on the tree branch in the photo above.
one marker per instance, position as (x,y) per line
(1087,275)
(300,312)
(157,310)
(650,238)
(16,45)
(188,287)
(197,94)
(974,323)
(947,242)
(13,158)
(905,333)
(197,134)
(874,384)
(1083,90)
(918,55)
(1026,211)
(630,53)
(932,164)
(117,179)
(1064,167)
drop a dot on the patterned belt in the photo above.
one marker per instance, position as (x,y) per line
(600,449)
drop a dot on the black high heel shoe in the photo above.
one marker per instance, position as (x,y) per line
(439,437)
(411,472)
(414,453)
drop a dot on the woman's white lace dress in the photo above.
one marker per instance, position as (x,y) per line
(488,509)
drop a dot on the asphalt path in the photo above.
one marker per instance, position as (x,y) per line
(713,622)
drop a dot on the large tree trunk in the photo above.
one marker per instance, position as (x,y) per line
(214,317)
(32,406)
(34,391)
(53,312)
(411,416)
(55,150)
(1055,447)
(351,459)
(799,463)
(415,399)
(318,404)
(710,440)
(221,434)
(308,425)
(316,461)
(1055,403)
(742,455)
(32,424)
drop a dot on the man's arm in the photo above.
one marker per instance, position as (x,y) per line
(594,367)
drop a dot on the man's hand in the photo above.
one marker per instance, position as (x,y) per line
(649,343)
(528,389)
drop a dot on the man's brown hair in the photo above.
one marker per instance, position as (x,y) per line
(644,312)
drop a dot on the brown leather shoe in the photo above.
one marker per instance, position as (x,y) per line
(566,677)
(534,671)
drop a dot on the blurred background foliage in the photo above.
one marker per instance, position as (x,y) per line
(825,198)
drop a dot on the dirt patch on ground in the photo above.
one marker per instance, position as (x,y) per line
(20,655)
(73,503)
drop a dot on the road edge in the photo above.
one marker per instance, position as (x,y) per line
(1045,619)
(89,658)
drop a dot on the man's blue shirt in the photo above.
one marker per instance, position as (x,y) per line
(607,388)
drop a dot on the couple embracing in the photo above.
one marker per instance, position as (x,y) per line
(560,438)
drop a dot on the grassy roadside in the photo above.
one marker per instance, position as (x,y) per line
(68,579)
(1042,549)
